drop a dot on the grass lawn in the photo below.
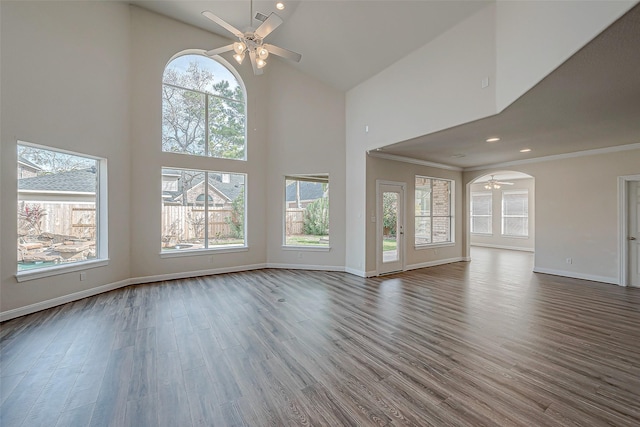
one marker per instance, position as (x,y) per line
(305,240)
(389,244)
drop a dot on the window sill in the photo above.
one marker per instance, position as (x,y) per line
(434,245)
(514,237)
(200,252)
(24,276)
(306,248)
(482,234)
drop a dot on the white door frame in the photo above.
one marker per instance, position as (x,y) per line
(379,218)
(623,221)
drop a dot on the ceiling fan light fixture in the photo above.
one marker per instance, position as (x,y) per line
(262,52)
(239,48)
(239,57)
(260,63)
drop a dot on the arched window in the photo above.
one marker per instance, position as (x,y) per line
(203,109)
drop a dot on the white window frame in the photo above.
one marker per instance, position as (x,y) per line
(102,231)
(210,250)
(490,215)
(503,216)
(451,216)
(322,178)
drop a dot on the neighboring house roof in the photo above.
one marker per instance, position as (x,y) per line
(28,163)
(308,191)
(230,190)
(78,181)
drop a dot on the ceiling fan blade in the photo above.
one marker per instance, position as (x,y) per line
(285,53)
(504,183)
(219,50)
(252,55)
(233,30)
(271,23)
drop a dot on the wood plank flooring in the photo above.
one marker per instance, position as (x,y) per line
(480,343)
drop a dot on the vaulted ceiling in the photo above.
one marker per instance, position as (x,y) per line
(591,101)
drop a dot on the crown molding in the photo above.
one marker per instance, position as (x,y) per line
(574,154)
(413,161)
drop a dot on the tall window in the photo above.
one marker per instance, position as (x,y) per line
(481,215)
(515,213)
(58,208)
(307,210)
(203,109)
(202,210)
(433,211)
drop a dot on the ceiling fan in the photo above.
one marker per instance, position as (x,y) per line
(251,41)
(494,184)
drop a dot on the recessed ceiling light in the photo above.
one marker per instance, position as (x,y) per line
(494,139)
(525,150)
(280,5)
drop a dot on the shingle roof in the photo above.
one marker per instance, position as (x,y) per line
(28,163)
(231,189)
(83,181)
(308,191)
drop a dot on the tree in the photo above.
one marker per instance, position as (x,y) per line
(389,213)
(236,221)
(53,161)
(316,218)
(186,121)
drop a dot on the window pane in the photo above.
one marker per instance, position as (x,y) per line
(423,196)
(423,230)
(57,196)
(514,226)
(205,210)
(481,224)
(306,212)
(481,204)
(226,128)
(226,209)
(183,121)
(441,229)
(440,197)
(515,203)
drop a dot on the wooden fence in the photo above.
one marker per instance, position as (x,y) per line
(295,221)
(68,219)
(186,223)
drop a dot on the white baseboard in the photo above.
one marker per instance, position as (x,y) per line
(360,273)
(197,273)
(434,263)
(465,259)
(306,267)
(43,305)
(574,275)
(511,248)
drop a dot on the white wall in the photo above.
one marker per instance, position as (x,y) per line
(534,37)
(496,239)
(436,87)
(306,133)
(577,213)
(65,84)
(390,170)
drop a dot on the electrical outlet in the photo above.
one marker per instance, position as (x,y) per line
(569,261)
(83,276)
(211,259)
(299,255)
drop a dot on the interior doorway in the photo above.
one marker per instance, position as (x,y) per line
(501,211)
(390,227)
(630,231)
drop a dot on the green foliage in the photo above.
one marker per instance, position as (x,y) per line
(31,215)
(236,221)
(316,218)
(389,213)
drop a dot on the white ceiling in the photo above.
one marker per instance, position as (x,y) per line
(342,43)
(591,101)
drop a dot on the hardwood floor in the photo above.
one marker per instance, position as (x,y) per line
(480,343)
